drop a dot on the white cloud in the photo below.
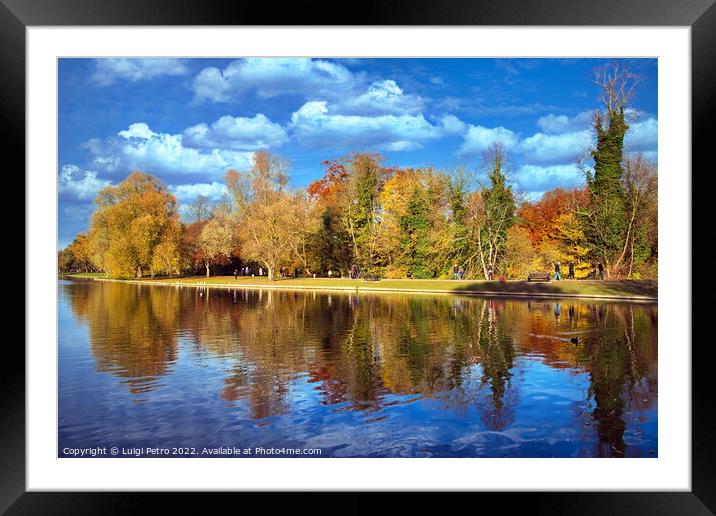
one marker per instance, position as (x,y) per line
(237,133)
(314,124)
(108,70)
(138,130)
(557,124)
(452,124)
(555,148)
(642,136)
(188,192)
(478,138)
(73,183)
(140,148)
(381,97)
(270,77)
(534,179)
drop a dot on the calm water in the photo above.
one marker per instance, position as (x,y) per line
(354,375)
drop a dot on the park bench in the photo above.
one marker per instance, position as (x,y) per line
(538,276)
(371,277)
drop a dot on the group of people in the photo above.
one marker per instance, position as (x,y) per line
(244,271)
(457,272)
(558,270)
(597,271)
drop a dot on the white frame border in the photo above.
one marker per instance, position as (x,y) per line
(670,471)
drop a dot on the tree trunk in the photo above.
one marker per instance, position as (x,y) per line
(269,273)
(139,272)
(207,269)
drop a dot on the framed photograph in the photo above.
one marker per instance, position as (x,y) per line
(438,249)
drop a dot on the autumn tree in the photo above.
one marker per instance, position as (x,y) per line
(541,217)
(349,204)
(414,238)
(306,224)
(215,242)
(131,221)
(80,252)
(264,212)
(519,256)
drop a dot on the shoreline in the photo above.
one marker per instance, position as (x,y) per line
(367,287)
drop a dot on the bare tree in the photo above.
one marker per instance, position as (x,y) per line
(640,188)
(616,85)
(199,210)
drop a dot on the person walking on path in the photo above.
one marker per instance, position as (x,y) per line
(236,274)
(557,271)
(571,270)
(261,271)
(600,267)
(455,271)
(490,273)
(461,272)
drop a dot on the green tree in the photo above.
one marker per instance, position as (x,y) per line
(496,209)
(606,219)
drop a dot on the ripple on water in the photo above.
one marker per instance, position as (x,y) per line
(356,375)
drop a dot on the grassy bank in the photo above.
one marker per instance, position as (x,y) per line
(628,289)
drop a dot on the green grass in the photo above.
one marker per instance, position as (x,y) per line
(83,274)
(625,288)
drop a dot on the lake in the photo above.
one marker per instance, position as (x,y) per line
(218,372)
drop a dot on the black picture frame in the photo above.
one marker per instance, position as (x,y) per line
(16,15)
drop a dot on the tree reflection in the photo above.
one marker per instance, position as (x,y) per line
(365,352)
(132,330)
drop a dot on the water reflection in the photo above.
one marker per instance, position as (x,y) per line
(536,372)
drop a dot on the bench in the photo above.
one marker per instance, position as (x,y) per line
(371,277)
(538,276)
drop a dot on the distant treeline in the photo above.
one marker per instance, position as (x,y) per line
(389,221)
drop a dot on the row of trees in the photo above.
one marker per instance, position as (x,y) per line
(389,221)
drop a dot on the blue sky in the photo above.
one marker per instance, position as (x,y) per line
(188,121)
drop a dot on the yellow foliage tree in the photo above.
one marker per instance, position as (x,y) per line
(135,228)
(569,233)
(519,256)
